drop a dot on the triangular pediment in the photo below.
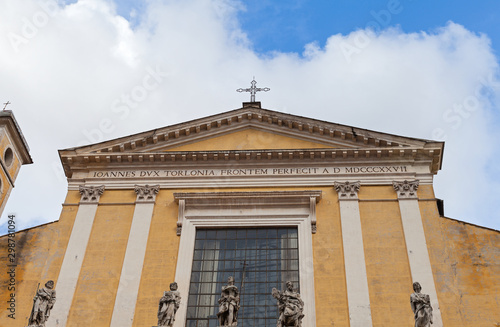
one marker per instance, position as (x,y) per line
(250,124)
(251,128)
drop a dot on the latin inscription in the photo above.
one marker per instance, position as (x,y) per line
(173,173)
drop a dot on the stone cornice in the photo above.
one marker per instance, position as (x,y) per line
(206,198)
(72,162)
(242,200)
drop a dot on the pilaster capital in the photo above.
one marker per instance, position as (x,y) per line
(348,190)
(406,189)
(91,194)
(146,193)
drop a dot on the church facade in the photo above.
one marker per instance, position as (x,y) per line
(347,215)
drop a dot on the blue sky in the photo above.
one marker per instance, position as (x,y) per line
(287,25)
(418,68)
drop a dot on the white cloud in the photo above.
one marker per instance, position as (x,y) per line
(79,78)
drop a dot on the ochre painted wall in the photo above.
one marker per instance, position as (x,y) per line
(4,188)
(466,266)
(329,272)
(12,170)
(160,261)
(465,260)
(101,268)
(5,142)
(39,253)
(387,267)
(249,139)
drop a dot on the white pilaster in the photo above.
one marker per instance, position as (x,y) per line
(416,246)
(358,297)
(75,252)
(130,277)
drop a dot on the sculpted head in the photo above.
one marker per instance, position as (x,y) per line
(49,284)
(416,287)
(230,280)
(173,286)
(289,285)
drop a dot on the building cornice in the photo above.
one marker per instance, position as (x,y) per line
(73,162)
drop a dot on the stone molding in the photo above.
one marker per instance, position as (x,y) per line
(205,200)
(406,189)
(348,190)
(91,194)
(119,158)
(146,193)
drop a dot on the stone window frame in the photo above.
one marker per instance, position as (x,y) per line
(248,209)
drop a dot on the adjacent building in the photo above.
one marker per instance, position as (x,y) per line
(14,152)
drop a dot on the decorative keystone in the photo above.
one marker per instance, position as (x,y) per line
(146,193)
(91,194)
(348,190)
(406,189)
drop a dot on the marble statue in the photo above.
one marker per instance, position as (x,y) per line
(229,304)
(421,307)
(290,306)
(42,304)
(169,303)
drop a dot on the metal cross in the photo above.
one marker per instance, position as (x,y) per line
(253,90)
(6,104)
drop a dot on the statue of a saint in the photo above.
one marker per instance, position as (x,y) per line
(290,306)
(169,303)
(421,307)
(42,304)
(229,304)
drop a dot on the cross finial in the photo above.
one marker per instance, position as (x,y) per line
(253,90)
(6,104)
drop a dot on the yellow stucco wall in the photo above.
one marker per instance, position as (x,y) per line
(387,267)
(5,143)
(329,272)
(466,265)
(11,170)
(5,187)
(39,254)
(465,260)
(249,139)
(101,268)
(160,261)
